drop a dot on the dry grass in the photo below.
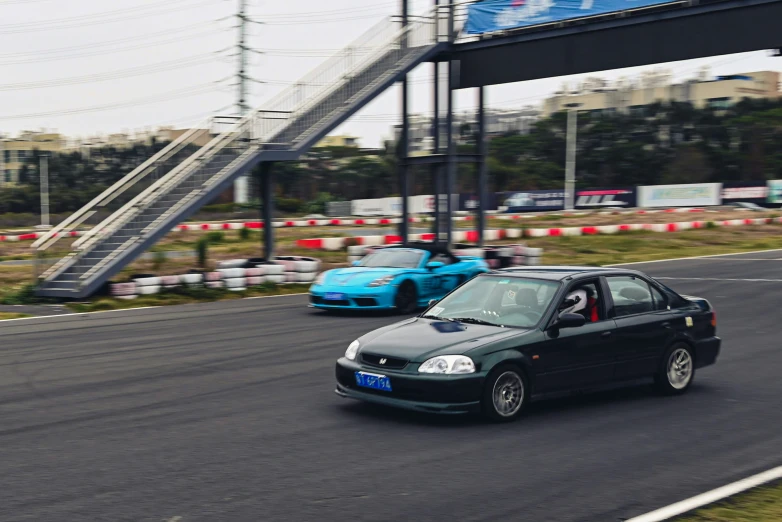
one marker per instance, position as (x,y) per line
(762,504)
(6,315)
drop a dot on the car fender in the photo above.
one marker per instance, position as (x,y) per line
(514,357)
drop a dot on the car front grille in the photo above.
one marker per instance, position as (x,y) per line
(365,301)
(393,363)
(316,299)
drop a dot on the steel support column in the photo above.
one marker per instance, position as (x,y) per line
(404,178)
(267,202)
(436,169)
(450,173)
(481,166)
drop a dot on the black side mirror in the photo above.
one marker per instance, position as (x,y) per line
(570,321)
(433,301)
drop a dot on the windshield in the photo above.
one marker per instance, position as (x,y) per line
(392,259)
(497,300)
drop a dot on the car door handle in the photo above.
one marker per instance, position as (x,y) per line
(605,334)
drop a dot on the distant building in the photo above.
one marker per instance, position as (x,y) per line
(14,152)
(498,122)
(595,95)
(338,141)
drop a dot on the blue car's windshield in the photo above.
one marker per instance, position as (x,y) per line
(502,301)
(392,258)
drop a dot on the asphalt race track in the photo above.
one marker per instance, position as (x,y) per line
(226,411)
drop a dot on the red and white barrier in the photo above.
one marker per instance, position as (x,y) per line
(337,243)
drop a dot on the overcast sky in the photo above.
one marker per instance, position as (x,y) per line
(83,67)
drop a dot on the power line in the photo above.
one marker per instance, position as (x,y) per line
(145,37)
(49,25)
(110,51)
(176,94)
(170,65)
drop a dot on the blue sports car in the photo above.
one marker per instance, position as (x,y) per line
(396,277)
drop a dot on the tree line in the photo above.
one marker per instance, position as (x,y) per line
(656,144)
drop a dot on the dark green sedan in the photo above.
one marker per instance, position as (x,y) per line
(511,336)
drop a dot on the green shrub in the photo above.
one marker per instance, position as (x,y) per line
(711,224)
(202,249)
(289,205)
(158,260)
(244,234)
(215,236)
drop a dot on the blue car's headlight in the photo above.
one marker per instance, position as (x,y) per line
(382,281)
(320,279)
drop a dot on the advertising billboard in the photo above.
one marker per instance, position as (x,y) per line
(774,191)
(546,200)
(691,195)
(737,192)
(469,202)
(500,15)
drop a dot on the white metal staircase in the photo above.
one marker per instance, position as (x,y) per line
(138,210)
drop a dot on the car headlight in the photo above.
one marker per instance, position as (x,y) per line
(320,279)
(382,281)
(352,350)
(449,364)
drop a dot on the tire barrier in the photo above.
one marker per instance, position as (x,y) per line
(299,269)
(234,275)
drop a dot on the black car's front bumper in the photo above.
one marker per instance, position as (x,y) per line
(421,392)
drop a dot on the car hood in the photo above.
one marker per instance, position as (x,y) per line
(418,339)
(358,275)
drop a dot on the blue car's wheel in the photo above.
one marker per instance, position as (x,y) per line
(406,300)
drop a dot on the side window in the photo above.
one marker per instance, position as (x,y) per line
(631,296)
(585,299)
(660,302)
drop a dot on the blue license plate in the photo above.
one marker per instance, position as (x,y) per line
(334,296)
(374,381)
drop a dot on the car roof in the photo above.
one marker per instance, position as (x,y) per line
(559,273)
(423,245)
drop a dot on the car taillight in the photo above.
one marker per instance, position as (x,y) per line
(714,319)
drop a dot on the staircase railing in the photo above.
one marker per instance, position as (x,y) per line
(317,96)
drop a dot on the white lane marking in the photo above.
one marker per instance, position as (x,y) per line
(78,313)
(280,295)
(697,257)
(709,497)
(721,279)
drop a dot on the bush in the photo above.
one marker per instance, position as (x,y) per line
(26,296)
(215,237)
(318,206)
(158,260)
(711,224)
(202,248)
(244,234)
(290,205)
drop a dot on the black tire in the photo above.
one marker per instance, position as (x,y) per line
(504,377)
(673,376)
(406,300)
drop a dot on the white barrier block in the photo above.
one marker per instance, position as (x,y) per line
(333,243)
(148,290)
(122,289)
(607,229)
(491,235)
(147,281)
(235,282)
(276,278)
(513,233)
(571,231)
(356,250)
(169,281)
(256,280)
(215,284)
(372,240)
(537,232)
(213,276)
(273,270)
(191,279)
(459,236)
(306,266)
(231,273)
